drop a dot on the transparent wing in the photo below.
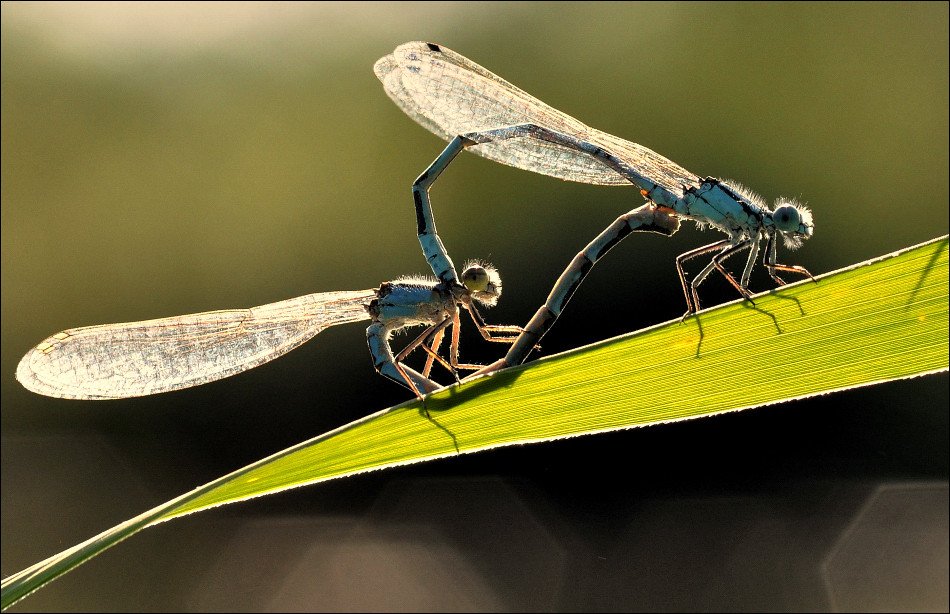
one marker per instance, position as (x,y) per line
(115,361)
(449,95)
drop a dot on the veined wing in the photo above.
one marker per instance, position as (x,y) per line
(132,359)
(449,95)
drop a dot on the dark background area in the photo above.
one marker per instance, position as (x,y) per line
(167,159)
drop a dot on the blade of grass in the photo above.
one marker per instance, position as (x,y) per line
(875,322)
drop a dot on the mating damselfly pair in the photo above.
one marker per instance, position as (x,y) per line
(473,109)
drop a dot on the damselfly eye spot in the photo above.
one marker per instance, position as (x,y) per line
(476,278)
(786,218)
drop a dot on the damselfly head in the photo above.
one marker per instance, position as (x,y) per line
(483,281)
(793,220)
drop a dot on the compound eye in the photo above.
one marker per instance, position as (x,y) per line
(476,278)
(786,218)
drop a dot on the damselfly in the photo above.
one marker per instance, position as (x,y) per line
(474,109)
(131,359)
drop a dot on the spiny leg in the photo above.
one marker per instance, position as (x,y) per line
(432,348)
(771,266)
(427,334)
(750,261)
(486,330)
(404,370)
(377,337)
(454,350)
(689,289)
(789,269)
(717,261)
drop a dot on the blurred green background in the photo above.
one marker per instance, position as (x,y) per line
(163,159)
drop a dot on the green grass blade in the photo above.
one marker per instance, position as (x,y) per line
(875,322)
